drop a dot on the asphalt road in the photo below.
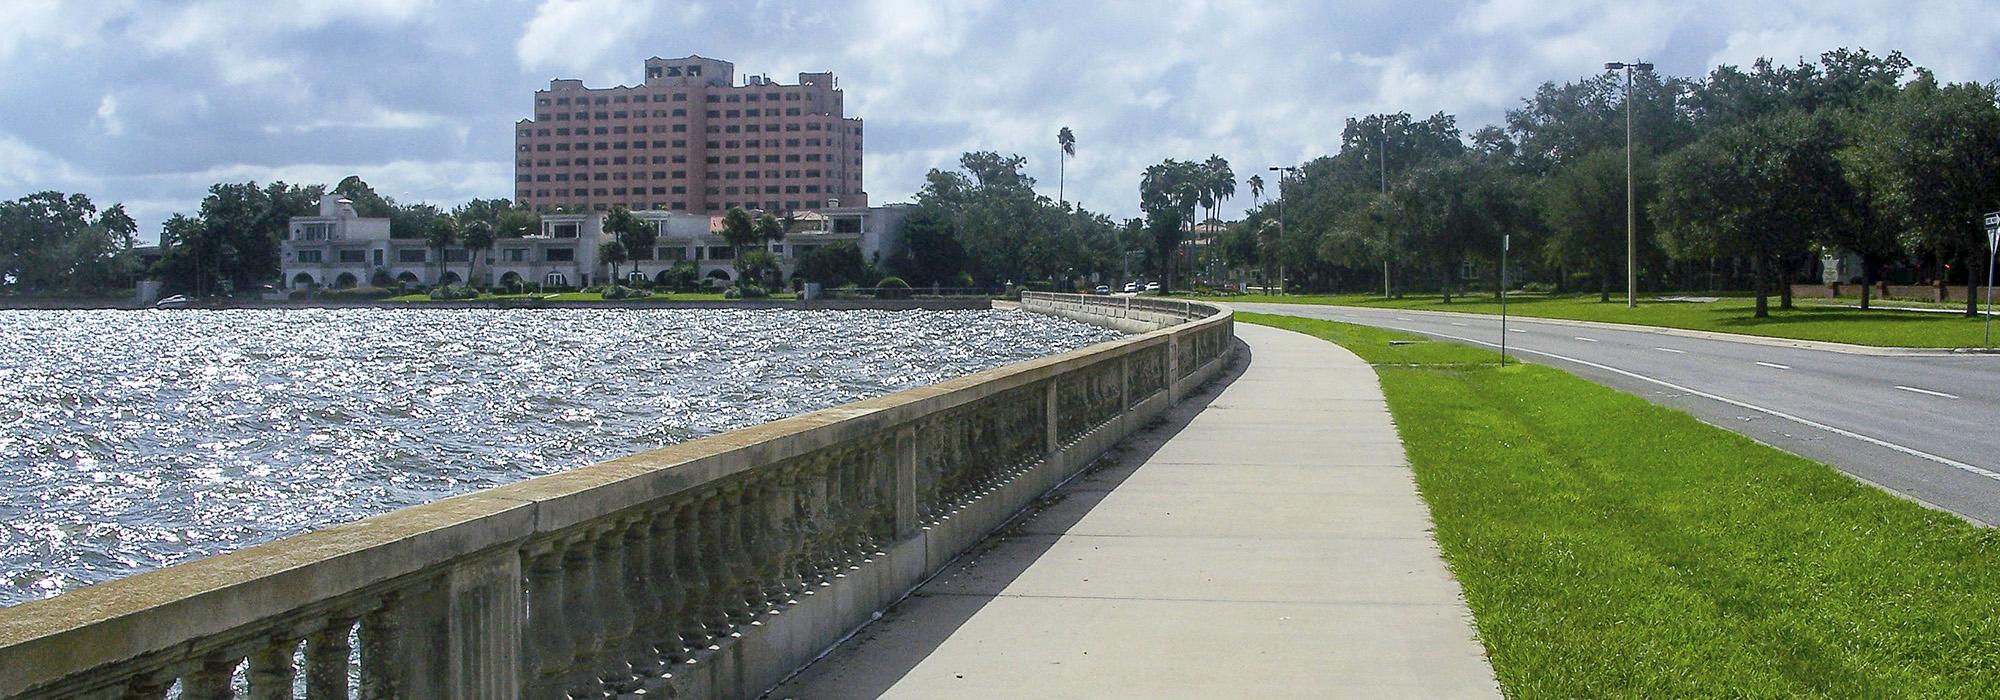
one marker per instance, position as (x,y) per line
(1924,426)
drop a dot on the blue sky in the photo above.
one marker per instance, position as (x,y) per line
(150,101)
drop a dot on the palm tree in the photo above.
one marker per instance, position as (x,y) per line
(740,231)
(439,234)
(478,237)
(769,231)
(1068,142)
(612,252)
(1256,189)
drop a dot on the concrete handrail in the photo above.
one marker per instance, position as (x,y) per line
(710,568)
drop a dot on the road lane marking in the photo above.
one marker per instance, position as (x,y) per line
(1878,442)
(1676,352)
(1926,391)
(1774,365)
(1455,323)
(1587,340)
(1515,330)
(1404,318)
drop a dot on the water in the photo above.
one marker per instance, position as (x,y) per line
(132,440)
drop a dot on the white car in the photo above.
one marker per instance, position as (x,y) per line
(1131,287)
(173,302)
(1152,286)
(1102,289)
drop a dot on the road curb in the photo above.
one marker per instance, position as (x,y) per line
(1845,348)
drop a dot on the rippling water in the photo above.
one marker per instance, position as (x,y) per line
(131,440)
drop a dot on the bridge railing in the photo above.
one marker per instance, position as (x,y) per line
(711,568)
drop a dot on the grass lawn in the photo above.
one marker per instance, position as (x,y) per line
(1612,548)
(1727,315)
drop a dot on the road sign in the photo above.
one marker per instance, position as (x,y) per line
(1993,230)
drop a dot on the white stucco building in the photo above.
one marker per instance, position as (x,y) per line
(339,249)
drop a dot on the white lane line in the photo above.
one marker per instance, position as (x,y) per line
(1455,323)
(1774,365)
(1676,352)
(1515,330)
(1926,391)
(1587,340)
(1404,318)
(1913,452)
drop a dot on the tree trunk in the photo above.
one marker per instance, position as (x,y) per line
(1784,280)
(1867,279)
(1760,284)
(1444,280)
(1971,283)
(1603,286)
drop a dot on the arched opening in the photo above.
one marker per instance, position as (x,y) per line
(665,278)
(510,279)
(346,280)
(302,281)
(448,278)
(722,275)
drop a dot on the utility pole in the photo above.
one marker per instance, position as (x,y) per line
(1382,160)
(1283,173)
(1631,218)
(1506,241)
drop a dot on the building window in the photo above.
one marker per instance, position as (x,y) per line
(354,256)
(309,256)
(560,255)
(514,255)
(410,255)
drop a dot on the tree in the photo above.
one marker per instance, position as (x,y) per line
(1761,189)
(1165,226)
(758,264)
(638,236)
(366,202)
(740,231)
(1455,210)
(1256,189)
(1583,203)
(833,265)
(478,238)
(51,241)
(1067,141)
(440,234)
(613,253)
(1939,147)
(930,254)
(515,223)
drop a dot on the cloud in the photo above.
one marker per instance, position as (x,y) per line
(581,36)
(107,116)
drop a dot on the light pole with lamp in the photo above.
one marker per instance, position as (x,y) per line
(1631,218)
(1283,173)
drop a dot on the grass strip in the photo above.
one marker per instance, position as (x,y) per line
(1609,547)
(1806,321)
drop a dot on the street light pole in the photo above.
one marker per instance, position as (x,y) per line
(1631,217)
(1382,161)
(1283,173)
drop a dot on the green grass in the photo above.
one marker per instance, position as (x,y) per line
(1809,321)
(1612,548)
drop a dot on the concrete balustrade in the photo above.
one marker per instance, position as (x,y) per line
(711,568)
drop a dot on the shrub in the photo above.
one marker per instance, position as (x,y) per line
(892,288)
(624,292)
(964,281)
(356,294)
(748,291)
(447,292)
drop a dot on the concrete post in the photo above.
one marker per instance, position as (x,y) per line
(1055,425)
(1173,369)
(486,626)
(903,492)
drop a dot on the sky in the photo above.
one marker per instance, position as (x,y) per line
(148,102)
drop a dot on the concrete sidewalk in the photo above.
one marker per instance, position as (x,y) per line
(1266,541)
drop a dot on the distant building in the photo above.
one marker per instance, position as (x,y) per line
(690,139)
(339,249)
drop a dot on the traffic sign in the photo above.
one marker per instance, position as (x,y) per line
(1993,230)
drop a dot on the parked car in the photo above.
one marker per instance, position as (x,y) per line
(1152,286)
(173,302)
(1131,287)
(1102,289)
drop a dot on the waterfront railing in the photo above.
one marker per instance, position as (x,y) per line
(711,568)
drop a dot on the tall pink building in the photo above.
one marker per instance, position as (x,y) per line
(690,139)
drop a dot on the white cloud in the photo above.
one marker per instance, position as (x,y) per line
(583,35)
(25,168)
(374,117)
(107,115)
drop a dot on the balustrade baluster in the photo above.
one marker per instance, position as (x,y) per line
(147,686)
(611,609)
(645,623)
(546,644)
(693,582)
(272,671)
(327,652)
(210,680)
(580,619)
(792,516)
(750,543)
(379,631)
(664,585)
(717,541)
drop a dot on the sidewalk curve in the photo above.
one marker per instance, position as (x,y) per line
(1266,541)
